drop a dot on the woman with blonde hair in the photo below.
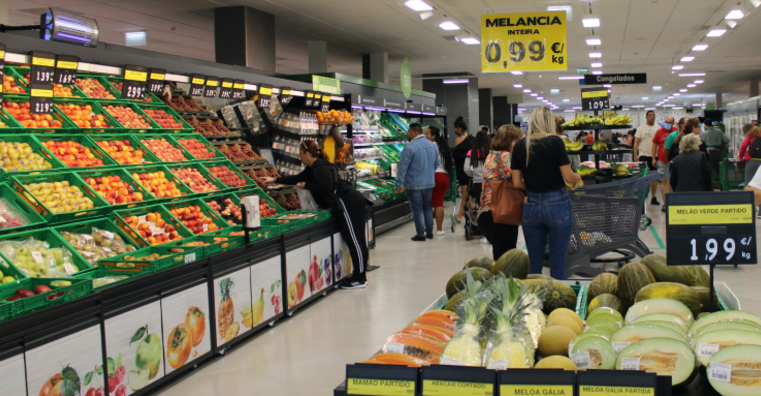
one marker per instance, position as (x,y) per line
(751,164)
(541,166)
(690,170)
(502,237)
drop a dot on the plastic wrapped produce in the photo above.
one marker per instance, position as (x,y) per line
(99,244)
(415,346)
(10,217)
(511,344)
(37,259)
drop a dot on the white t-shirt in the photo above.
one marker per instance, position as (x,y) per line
(441,168)
(756,181)
(645,134)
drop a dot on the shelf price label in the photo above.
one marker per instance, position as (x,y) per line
(197,82)
(43,67)
(238,89)
(595,98)
(226,88)
(135,82)
(309,99)
(66,69)
(369,380)
(210,89)
(41,98)
(523,42)
(265,96)
(325,104)
(156,81)
(285,95)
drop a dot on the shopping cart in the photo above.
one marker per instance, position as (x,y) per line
(471,215)
(450,198)
(731,174)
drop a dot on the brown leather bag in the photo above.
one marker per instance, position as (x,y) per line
(506,201)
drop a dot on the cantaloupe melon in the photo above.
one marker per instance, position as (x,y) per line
(567,312)
(664,356)
(566,322)
(601,354)
(722,316)
(673,291)
(556,362)
(745,374)
(554,340)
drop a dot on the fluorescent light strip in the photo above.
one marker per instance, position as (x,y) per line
(596,64)
(374,108)
(687,59)
(429,114)
(683,90)
(576,107)
(456,81)
(395,111)
(526,90)
(594,41)
(571,78)
(471,41)
(691,74)
(716,32)
(358,107)
(418,5)
(449,25)
(699,81)
(677,67)
(590,22)
(413,112)
(516,73)
(595,54)
(517,86)
(700,47)
(735,14)
(597,72)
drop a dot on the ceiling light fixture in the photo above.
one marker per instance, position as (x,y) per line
(595,54)
(540,98)
(734,14)
(425,15)
(691,74)
(657,88)
(517,86)
(516,73)
(683,90)
(418,5)
(526,90)
(678,108)
(596,64)
(698,81)
(456,81)
(594,41)
(677,67)
(593,22)
(645,98)
(569,111)
(649,108)
(597,72)
(470,41)
(566,100)
(571,78)
(554,91)
(449,25)
(671,97)
(691,85)
(625,109)
(676,94)
(687,59)
(533,94)
(700,47)
(716,32)
(566,8)
(638,106)
(576,107)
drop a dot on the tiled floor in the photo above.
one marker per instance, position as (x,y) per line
(307,354)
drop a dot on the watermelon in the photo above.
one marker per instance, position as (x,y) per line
(660,305)
(698,276)
(606,300)
(601,353)
(663,356)
(725,338)
(631,278)
(663,273)
(720,317)
(604,283)
(481,262)
(745,376)
(703,295)
(457,281)
(558,294)
(674,291)
(513,263)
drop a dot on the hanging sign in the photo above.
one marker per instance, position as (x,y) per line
(2,67)
(238,89)
(265,96)
(156,80)
(210,89)
(41,98)
(595,98)
(414,107)
(629,78)
(326,84)
(66,69)
(523,42)
(135,81)
(43,67)
(226,89)
(197,82)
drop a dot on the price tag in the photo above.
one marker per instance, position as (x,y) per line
(107,250)
(379,387)
(197,82)
(37,257)
(41,98)
(66,69)
(87,254)
(525,41)
(630,364)
(394,347)
(135,82)
(285,95)
(210,90)
(325,104)
(615,390)
(595,98)
(226,89)
(84,238)
(582,360)
(498,364)
(707,350)
(720,372)
(309,99)
(619,346)
(43,67)
(69,268)
(190,257)
(456,388)
(238,89)
(265,96)
(448,361)
(522,390)
(156,80)
(109,235)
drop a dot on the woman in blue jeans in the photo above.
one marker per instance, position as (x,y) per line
(541,166)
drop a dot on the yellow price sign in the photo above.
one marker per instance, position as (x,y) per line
(596,390)
(711,214)
(456,388)
(377,387)
(522,390)
(523,42)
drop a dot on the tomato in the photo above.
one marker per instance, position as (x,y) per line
(196,320)
(179,345)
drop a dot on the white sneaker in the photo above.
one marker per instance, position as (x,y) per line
(484,241)
(441,234)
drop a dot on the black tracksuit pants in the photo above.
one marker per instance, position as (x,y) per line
(351,222)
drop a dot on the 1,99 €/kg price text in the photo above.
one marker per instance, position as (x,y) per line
(721,250)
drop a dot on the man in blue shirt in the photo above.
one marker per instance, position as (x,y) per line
(415,174)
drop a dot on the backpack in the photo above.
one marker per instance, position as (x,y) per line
(754,150)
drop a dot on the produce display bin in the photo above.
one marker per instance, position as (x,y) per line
(185,126)
(78,288)
(14,202)
(119,218)
(205,209)
(125,177)
(148,157)
(100,207)
(111,125)
(175,255)
(215,245)
(11,124)
(92,275)
(85,227)
(17,73)
(104,104)
(204,172)
(37,148)
(102,81)
(233,168)
(53,240)
(252,190)
(196,136)
(20,72)
(188,157)
(138,170)
(84,141)
(66,124)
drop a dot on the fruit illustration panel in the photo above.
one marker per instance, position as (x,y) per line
(341,258)
(70,365)
(267,290)
(134,349)
(12,371)
(297,264)
(185,322)
(232,305)
(320,274)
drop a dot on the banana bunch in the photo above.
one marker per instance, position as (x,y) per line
(585,171)
(620,170)
(618,120)
(582,120)
(573,146)
(600,145)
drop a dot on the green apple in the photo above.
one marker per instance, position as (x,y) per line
(149,354)
(138,379)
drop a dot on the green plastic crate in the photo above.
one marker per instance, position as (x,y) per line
(143,140)
(143,169)
(95,274)
(8,269)
(125,177)
(204,172)
(106,104)
(253,190)
(37,148)
(120,218)
(111,125)
(12,126)
(15,202)
(66,124)
(17,73)
(197,136)
(161,106)
(102,81)
(731,175)
(100,207)
(78,288)
(217,246)
(205,209)
(81,139)
(85,227)
(234,169)
(219,199)
(177,255)
(148,157)
(53,240)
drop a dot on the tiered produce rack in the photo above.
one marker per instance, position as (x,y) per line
(587,150)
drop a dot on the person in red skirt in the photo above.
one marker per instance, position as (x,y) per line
(442,177)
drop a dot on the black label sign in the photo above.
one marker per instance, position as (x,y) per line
(441,110)
(66,69)
(376,379)
(156,80)
(309,99)
(325,104)
(285,95)
(2,67)
(595,98)
(210,91)
(197,82)
(629,78)
(238,89)
(429,109)
(226,89)
(414,107)
(43,67)
(394,105)
(265,96)
(41,98)
(370,101)
(135,82)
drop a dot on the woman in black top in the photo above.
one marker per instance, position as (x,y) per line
(541,166)
(463,144)
(320,177)
(690,170)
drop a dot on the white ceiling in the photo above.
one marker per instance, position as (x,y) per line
(638,36)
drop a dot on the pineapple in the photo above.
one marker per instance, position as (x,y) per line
(512,344)
(226,313)
(465,349)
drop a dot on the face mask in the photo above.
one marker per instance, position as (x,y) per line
(667,126)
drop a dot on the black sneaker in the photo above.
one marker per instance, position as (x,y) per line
(354,285)
(654,201)
(663,209)
(418,239)
(429,236)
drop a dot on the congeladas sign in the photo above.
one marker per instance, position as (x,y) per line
(633,78)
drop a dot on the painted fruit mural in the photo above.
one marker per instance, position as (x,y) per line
(13,375)
(297,262)
(232,302)
(341,258)
(185,322)
(266,290)
(135,349)
(71,365)
(320,273)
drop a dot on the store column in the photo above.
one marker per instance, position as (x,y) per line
(486,108)
(753,88)
(719,102)
(460,99)
(318,57)
(505,109)
(245,36)
(375,67)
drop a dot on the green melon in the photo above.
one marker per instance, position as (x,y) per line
(680,363)
(457,281)
(539,276)
(481,262)
(660,305)
(698,276)
(601,284)
(720,317)
(532,283)
(601,353)
(737,324)
(640,331)
(671,290)
(558,294)
(604,331)
(606,301)
(662,317)
(604,310)
(455,301)
(604,321)
(582,336)
(745,373)
(667,325)
(606,316)
(662,272)
(725,338)
(513,263)
(631,278)
(704,296)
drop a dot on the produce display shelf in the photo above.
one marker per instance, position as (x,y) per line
(217,244)
(111,125)
(82,139)
(136,171)
(107,104)
(17,75)
(120,218)
(216,219)
(12,125)
(596,127)
(200,139)
(185,127)
(143,140)
(232,168)
(54,240)
(78,288)
(94,274)
(37,148)
(173,255)
(594,152)
(203,172)
(19,183)
(100,79)
(57,115)
(147,155)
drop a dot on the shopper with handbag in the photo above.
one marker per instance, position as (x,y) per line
(540,165)
(502,235)
(320,177)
